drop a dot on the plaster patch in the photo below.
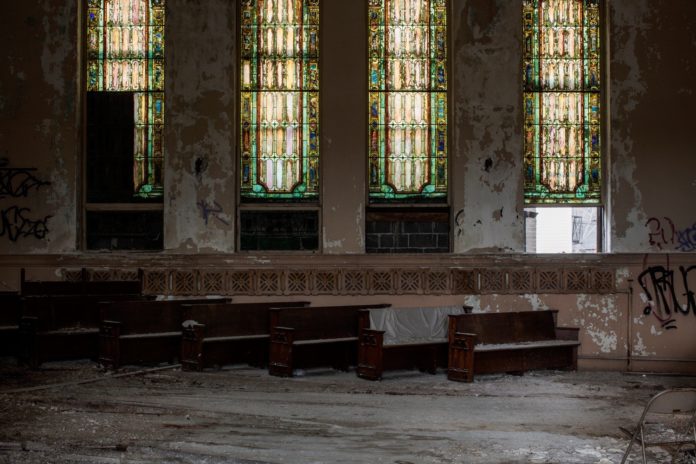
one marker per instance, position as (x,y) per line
(622,275)
(535,302)
(359,226)
(56,50)
(475,302)
(654,331)
(605,341)
(328,244)
(639,347)
(603,308)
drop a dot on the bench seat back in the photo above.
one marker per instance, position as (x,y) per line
(321,322)
(509,327)
(144,317)
(56,312)
(234,319)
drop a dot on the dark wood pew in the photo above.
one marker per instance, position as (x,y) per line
(143,332)
(10,313)
(512,342)
(226,333)
(405,338)
(315,336)
(60,327)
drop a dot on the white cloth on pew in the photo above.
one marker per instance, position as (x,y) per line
(413,325)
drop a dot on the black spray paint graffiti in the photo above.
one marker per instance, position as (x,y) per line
(18,182)
(661,233)
(207,211)
(663,301)
(687,239)
(14,224)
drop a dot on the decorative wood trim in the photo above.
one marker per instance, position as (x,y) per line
(387,280)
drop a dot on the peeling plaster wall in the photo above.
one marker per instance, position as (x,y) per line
(653,93)
(200,130)
(486,129)
(650,137)
(343,138)
(38,126)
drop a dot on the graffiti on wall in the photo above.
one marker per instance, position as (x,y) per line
(15,224)
(214,210)
(661,287)
(15,220)
(661,232)
(664,235)
(18,182)
(687,239)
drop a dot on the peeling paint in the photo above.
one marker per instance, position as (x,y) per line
(654,331)
(640,349)
(622,275)
(535,302)
(475,302)
(606,341)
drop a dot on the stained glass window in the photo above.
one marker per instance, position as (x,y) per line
(279,100)
(407,100)
(562,102)
(126,54)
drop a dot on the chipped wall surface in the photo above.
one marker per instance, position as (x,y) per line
(200,131)
(343,138)
(649,138)
(486,129)
(39,132)
(652,94)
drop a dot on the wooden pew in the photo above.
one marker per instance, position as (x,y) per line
(512,342)
(405,338)
(60,327)
(60,319)
(315,336)
(10,313)
(218,334)
(142,332)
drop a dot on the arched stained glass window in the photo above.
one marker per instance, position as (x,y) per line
(407,100)
(125,51)
(562,102)
(279,100)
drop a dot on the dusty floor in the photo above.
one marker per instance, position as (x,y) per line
(242,415)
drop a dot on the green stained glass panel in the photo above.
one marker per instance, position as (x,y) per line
(125,51)
(279,100)
(407,81)
(562,159)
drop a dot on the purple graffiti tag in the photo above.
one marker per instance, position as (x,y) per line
(207,211)
(687,239)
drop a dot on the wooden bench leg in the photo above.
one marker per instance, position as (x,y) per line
(461,358)
(29,342)
(280,352)
(192,348)
(370,354)
(109,344)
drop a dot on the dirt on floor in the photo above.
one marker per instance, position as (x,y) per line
(76,412)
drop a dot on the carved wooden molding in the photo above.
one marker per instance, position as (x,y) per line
(381,281)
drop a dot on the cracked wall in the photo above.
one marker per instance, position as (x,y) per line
(653,160)
(486,173)
(38,127)
(200,131)
(649,139)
